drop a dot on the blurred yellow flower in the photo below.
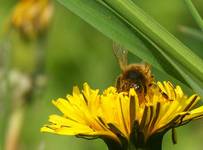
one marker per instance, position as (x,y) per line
(32,17)
(121,118)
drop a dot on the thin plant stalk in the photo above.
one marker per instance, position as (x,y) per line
(14,128)
(195,13)
(38,77)
(6,53)
(14,131)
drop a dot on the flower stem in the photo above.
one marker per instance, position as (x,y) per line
(153,143)
(38,76)
(14,129)
(5,67)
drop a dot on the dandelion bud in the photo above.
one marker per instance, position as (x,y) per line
(32,17)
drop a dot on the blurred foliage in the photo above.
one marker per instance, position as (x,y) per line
(76,53)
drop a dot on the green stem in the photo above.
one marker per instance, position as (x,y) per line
(6,53)
(153,143)
(194,13)
(39,71)
(14,128)
(112,145)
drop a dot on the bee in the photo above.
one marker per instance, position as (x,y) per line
(137,76)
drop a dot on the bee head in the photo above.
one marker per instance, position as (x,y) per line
(136,80)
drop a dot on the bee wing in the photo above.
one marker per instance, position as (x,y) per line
(121,54)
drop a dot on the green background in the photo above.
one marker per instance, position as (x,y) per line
(77,53)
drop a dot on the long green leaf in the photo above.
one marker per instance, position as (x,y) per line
(194,13)
(190,78)
(116,27)
(110,25)
(137,18)
(194,82)
(165,43)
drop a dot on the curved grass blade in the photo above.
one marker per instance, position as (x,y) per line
(173,50)
(194,13)
(110,25)
(136,17)
(115,25)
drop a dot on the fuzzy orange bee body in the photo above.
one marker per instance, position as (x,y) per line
(137,76)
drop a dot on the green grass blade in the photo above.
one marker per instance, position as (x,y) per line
(137,18)
(194,82)
(109,24)
(130,32)
(194,13)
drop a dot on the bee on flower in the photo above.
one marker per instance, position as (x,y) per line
(32,17)
(134,114)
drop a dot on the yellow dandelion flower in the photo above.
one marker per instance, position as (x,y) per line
(120,119)
(31,17)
